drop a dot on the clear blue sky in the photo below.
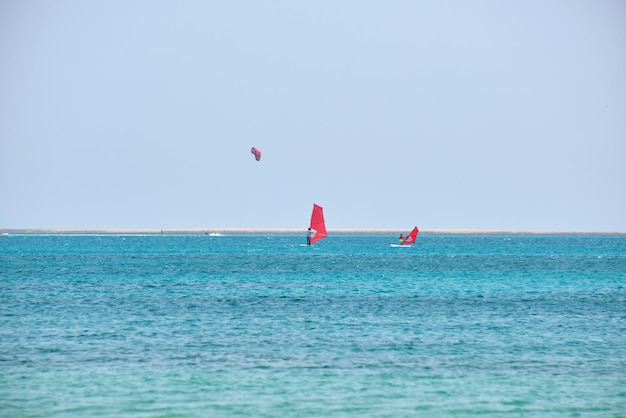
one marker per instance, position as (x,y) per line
(442,114)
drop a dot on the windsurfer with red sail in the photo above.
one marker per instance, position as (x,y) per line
(409,239)
(317,227)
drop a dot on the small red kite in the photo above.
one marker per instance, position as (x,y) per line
(257,153)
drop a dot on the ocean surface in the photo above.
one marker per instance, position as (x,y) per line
(257,325)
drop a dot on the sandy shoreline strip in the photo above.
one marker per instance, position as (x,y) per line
(131,231)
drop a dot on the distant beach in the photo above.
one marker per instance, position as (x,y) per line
(131,231)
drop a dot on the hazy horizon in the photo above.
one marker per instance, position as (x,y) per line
(301,231)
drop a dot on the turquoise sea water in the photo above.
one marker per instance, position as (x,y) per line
(257,325)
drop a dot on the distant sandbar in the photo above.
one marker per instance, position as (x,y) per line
(131,231)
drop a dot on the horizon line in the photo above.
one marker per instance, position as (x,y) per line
(290,230)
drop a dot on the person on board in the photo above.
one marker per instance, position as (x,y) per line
(308,236)
(400,239)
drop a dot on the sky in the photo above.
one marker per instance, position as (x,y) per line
(442,114)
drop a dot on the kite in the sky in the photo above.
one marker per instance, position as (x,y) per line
(257,153)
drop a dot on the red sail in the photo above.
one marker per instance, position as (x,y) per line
(411,238)
(317,224)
